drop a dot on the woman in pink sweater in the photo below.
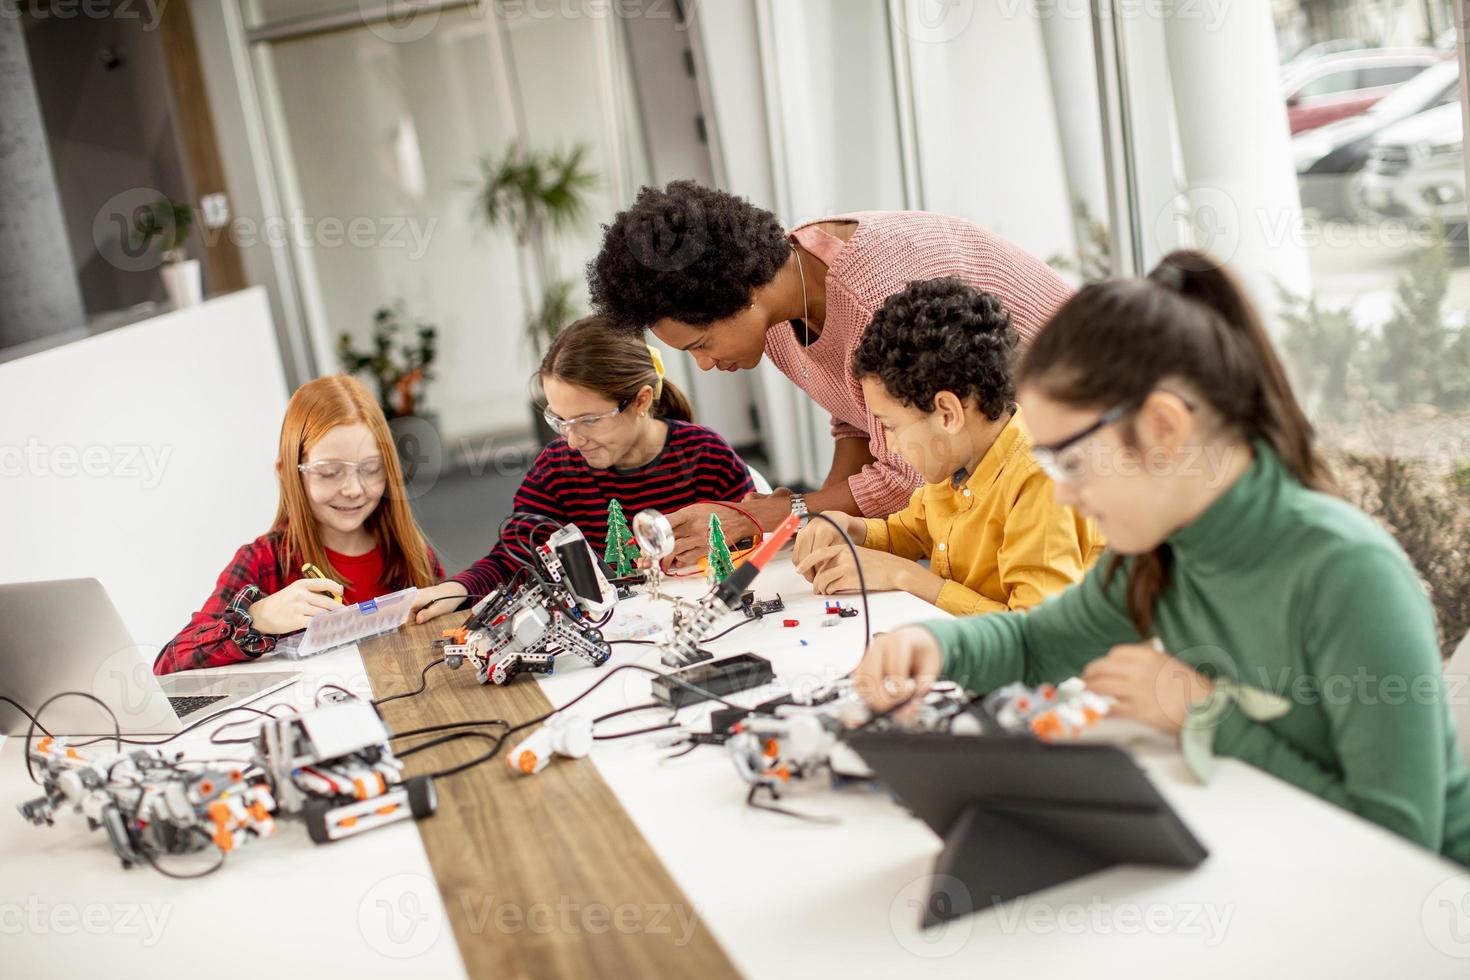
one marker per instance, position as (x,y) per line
(714,275)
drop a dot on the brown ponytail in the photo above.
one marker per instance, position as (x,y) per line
(1115,341)
(592,354)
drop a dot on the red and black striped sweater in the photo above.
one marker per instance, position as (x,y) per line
(695,464)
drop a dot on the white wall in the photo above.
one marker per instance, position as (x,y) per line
(989,148)
(143,457)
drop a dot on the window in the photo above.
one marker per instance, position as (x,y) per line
(1332,83)
(1379,75)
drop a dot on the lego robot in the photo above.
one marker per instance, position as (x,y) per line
(787,740)
(151,804)
(522,628)
(330,766)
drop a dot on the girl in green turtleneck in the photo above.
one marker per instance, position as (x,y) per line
(1243,606)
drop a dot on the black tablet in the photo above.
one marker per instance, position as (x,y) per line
(1018,814)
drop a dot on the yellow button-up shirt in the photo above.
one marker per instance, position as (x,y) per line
(1001,541)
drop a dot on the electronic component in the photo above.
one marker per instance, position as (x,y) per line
(565,735)
(758,608)
(718,677)
(331,766)
(523,627)
(681,646)
(150,804)
(1048,712)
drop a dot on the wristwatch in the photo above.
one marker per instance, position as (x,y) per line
(798,507)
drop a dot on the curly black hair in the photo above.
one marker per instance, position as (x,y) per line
(687,252)
(941,335)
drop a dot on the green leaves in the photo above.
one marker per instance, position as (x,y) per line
(401,374)
(526,191)
(165,220)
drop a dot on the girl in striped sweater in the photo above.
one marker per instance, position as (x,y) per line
(626,435)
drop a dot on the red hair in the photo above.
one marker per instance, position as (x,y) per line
(316,408)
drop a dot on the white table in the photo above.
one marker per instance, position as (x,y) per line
(1293,886)
(280,906)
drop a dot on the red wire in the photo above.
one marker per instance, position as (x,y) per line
(741,511)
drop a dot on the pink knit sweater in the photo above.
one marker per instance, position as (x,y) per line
(887,251)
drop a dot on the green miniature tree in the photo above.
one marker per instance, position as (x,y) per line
(720,566)
(622,550)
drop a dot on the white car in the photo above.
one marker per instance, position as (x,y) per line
(1416,169)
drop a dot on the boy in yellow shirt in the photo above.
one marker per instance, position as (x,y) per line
(936,369)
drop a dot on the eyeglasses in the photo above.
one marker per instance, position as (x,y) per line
(1064,467)
(1070,467)
(333,472)
(587,423)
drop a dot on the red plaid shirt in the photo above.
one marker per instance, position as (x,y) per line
(220,633)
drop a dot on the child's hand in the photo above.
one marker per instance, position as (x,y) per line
(1147,685)
(438,600)
(819,534)
(897,667)
(831,570)
(691,532)
(293,607)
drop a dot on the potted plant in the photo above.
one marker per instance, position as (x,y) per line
(400,362)
(170,223)
(535,195)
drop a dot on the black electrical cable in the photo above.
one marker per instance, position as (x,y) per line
(651,705)
(751,801)
(21,708)
(636,731)
(498,741)
(317,701)
(149,857)
(862,582)
(214,738)
(423,683)
(187,728)
(36,721)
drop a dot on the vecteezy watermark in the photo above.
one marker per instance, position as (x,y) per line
(949,901)
(1209,921)
(398,232)
(150,12)
(1445,916)
(114,223)
(401,917)
(143,920)
(568,917)
(1211,12)
(144,464)
(932,21)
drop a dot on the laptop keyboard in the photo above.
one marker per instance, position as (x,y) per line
(187,706)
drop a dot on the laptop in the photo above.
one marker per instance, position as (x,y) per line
(67,636)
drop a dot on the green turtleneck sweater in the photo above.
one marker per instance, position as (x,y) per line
(1288,590)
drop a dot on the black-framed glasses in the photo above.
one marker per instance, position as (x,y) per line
(1070,470)
(587,423)
(1062,467)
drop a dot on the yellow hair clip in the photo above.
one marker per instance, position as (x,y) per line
(658,369)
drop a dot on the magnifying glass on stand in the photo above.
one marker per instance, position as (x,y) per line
(655,536)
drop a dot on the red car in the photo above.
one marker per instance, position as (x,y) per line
(1336,86)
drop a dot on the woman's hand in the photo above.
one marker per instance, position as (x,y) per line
(1147,685)
(292,608)
(897,667)
(438,600)
(819,534)
(691,532)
